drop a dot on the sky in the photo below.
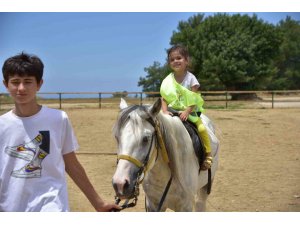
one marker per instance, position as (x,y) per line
(95,51)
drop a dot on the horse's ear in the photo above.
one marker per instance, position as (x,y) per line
(123,104)
(155,108)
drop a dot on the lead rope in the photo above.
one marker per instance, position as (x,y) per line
(126,205)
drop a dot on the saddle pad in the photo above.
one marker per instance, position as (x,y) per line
(197,142)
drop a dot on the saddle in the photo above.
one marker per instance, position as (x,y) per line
(197,142)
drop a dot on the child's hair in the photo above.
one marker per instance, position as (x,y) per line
(181,49)
(23,65)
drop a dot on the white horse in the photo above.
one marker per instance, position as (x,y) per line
(142,159)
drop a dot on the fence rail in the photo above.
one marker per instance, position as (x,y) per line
(213,99)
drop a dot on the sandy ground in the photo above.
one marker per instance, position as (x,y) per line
(259,166)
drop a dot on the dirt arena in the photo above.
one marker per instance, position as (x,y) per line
(259,167)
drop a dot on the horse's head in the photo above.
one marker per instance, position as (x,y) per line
(135,135)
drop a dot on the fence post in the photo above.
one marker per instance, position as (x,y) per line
(99,100)
(59,100)
(226,93)
(272,99)
(141,98)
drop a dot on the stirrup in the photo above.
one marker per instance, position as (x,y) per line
(208,162)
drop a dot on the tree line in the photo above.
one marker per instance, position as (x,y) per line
(235,52)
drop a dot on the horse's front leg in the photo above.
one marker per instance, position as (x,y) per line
(150,206)
(201,200)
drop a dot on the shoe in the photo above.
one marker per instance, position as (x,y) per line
(28,171)
(207,163)
(22,152)
(25,151)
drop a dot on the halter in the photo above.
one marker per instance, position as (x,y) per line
(144,166)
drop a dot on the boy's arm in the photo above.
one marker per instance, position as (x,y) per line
(78,175)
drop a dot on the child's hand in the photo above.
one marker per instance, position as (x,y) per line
(184,115)
(168,113)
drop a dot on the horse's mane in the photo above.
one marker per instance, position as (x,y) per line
(180,150)
(133,112)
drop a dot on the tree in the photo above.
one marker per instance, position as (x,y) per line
(232,52)
(123,94)
(156,73)
(288,62)
(228,52)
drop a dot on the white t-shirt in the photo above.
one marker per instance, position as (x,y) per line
(189,81)
(32,169)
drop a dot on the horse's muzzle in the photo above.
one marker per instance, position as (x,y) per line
(124,189)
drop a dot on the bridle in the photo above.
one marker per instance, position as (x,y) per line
(143,168)
(145,164)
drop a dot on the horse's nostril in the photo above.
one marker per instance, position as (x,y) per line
(126,185)
(121,187)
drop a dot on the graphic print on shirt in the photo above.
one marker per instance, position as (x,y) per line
(34,151)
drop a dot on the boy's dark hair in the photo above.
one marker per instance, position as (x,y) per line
(180,48)
(23,65)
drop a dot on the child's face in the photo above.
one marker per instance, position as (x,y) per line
(23,88)
(178,62)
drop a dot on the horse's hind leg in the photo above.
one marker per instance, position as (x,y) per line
(201,200)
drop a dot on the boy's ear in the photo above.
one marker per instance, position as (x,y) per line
(40,84)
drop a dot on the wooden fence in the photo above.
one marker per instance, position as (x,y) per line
(213,99)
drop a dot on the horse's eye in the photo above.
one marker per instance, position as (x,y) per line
(145,139)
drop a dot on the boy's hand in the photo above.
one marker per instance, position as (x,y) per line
(109,207)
